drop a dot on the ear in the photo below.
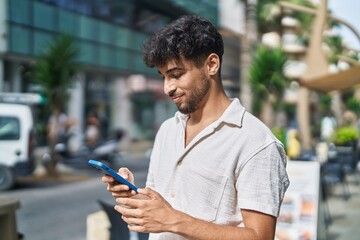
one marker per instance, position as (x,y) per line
(213,64)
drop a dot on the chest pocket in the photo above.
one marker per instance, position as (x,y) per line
(203,189)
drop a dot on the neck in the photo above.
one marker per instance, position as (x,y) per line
(213,107)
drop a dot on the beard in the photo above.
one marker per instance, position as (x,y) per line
(195,97)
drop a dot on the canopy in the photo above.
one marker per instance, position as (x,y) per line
(333,82)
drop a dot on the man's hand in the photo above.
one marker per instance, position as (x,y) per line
(152,213)
(149,212)
(120,190)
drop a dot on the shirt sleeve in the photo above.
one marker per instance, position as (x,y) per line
(263,180)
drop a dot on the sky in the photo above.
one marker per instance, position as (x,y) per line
(349,10)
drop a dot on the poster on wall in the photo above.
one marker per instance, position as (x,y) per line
(299,212)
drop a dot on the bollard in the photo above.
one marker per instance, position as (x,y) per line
(97,226)
(8,229)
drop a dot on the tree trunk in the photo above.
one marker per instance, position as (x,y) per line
(337,107)
(303,118)
(247,45)
(51,167)
(267,114)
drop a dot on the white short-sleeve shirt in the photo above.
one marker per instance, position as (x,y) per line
(235,163)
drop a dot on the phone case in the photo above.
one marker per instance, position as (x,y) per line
(108,171)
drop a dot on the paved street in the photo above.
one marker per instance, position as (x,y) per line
(345,214)
(57,209)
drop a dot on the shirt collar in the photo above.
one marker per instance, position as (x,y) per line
(233,114)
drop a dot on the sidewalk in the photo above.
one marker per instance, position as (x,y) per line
(345,214)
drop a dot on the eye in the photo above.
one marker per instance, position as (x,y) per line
(176,75)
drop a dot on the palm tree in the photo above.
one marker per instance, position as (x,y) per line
(54,71)
(268,81)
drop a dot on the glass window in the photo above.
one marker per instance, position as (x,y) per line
(89,28)
(68,22)
(101,9)
(20,39)
(106,32)
(44,16)
(9,128)
(41,41)
(88,52)
(20,11)
(106,55)
(138,41)
(80,6)
(122,37)
(149,21)
(121,12)
(123,59)
(139,63)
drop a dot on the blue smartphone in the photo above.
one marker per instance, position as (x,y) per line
(108,171)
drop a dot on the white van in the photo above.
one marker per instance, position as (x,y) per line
(17,142)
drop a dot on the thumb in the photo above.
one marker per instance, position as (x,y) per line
(124,172)
(127,174)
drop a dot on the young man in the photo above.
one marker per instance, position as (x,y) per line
(216,171)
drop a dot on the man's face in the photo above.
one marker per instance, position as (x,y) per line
(185,84)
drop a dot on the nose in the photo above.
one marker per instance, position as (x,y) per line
(169,87)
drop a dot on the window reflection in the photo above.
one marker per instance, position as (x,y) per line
(9,128)
(129,13)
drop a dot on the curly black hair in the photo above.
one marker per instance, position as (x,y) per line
(189,37)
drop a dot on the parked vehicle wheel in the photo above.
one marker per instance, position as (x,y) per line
(7,178)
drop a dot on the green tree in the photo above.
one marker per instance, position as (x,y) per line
(325,103)
(268,16)
(267,78)
(54,70)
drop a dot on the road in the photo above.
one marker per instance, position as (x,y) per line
(58,209)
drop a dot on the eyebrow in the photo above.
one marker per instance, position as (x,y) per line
(172,70)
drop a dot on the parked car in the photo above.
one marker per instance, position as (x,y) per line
(17,143)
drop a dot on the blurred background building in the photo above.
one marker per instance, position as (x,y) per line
(114,83)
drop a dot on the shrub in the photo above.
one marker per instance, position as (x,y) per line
(279,133)
(345,135)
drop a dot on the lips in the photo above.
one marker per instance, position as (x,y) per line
(176,99)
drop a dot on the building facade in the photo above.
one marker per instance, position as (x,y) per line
(114,83)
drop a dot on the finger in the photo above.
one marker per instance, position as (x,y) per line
(107,179)
(137,228)
(118,187)
(148,192)
(126,194)
(126,210)
(124,172)
(132,220)
(131,202)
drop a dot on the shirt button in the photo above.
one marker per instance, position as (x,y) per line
(172,194)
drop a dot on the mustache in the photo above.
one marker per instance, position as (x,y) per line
(173,94)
